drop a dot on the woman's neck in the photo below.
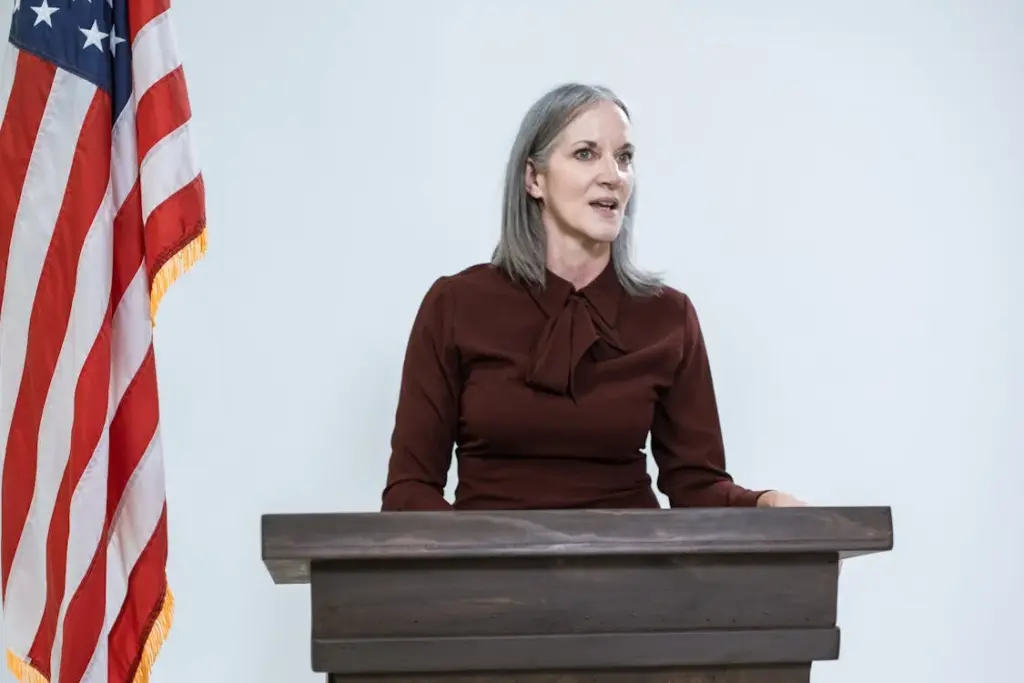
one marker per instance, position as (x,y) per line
(576,260)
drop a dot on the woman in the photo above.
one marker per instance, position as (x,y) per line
(549,366)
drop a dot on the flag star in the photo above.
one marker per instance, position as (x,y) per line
(115,40)
(93,36)
(17,5)
(43,14)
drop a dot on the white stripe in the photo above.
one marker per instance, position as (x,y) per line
(169,166)
(124,158)
(99,665)
(132,330)
(132,334)
(7,69)
(42,197)
(88,515)
(134,524)
(154,54)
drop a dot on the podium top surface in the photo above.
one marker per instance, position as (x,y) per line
(291,541)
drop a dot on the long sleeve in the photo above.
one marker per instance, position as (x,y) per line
(427,416)
(686,435)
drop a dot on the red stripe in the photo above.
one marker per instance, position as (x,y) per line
(51,311)
(174,223)
(147,587)
(141,12)
(33,79)
(83,623)
(131,430)
(129,248)
(162,109)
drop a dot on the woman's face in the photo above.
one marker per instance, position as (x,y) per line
(588,178)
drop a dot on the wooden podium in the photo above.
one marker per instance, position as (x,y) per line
(723,595)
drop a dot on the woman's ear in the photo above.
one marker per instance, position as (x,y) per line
(534,181)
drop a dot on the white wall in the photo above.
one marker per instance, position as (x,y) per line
(838,187)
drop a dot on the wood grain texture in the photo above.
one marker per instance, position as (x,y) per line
(535,595)
(291,541)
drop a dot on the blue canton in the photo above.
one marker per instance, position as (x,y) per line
(86,37)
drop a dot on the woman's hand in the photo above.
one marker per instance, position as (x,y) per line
(778,499)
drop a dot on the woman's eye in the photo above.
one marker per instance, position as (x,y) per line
(583,154)
(626,158)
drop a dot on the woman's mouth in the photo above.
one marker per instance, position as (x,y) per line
(607,208)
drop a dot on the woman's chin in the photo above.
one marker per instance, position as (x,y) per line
(602,232)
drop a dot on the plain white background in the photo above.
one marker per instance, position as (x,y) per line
(838,187)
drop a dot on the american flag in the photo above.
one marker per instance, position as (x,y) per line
(102,207)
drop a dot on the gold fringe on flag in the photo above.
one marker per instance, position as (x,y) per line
(176,266)
(157,636)
(26,673)
(22,670)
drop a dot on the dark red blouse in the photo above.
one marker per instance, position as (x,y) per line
(549,395)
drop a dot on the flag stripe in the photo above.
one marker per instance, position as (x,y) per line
(162,109)
(83,622)
(34,322)
(175,222)
(29,85)
(133,428)
(96,672)
(8,66)
(128,241)
(84,537)
(26,80)
(147,586)
(143,13)
(154,54)
(131,340)
(170,166)
(133,522)
(124,170)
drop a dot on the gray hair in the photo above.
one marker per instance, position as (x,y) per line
(521,250)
